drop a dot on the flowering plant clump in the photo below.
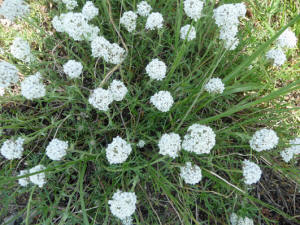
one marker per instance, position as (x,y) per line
(8,74)
(191,174)
(57,149)
(251,172)
(170,145)
(32,87)
(162,100)
(73,68)
(12,149)
(13,9)
(118,151)
(264,139)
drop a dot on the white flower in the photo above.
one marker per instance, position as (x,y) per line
(156,69)
(154,21)
(288,153)
(193,8)
(277,56)
(199,139)
(123,204)
(73,68)
(251,172)
(141,144)
(70,4)
(8,74)
(143,8)
(39,178)
(57,149)
(89,11)
(25,180)
(214,86)
(20,49)
(118,151)
(13,9)
(12,149)
(128,20)
(190,174)
(32,87)
(162,100)
(127,221)
(170,145)
(101,98)
(2,91)
(287,39)
(238,220)
(118,90)
(264,139)
(188,32)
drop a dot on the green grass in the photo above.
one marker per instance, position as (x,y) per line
(78,188)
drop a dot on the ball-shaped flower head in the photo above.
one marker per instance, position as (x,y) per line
(39,178)
(8,74)
(123,204)
(190,174)
(170,145)
(251,172)
(89,10)
(214,86)
(101,99)
(156,69)
(128,20)
(154,21)
(12,149)
(56,149)
(118,90)
(118,151)
(193,8)
(143,8)
(287,39)
(13,9)
(199,139)
(162,100)
(264,139)
(188,32)
(277,56)
(20,49)
(32,87)
(73,69)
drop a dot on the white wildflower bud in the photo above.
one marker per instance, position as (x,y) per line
(156,69)
(128,20)
(123,204)
(251,172)
(264,139)
(118,90)
(20,49)
(162,100)
(277,56)
(191,174)
(154,21)
(39,178)
(238,220)
(101,99)
(288,153)
(73,69)
(188,32)
(193,8)
(143,8)
(12,149)
(57,149)
(214,86)
(118,151)
(13,9)
(70,4)
(141,144)
(89,10)
(199,139)
(32,87)
(8,74)
(287,39)
(25,180)
(170,145)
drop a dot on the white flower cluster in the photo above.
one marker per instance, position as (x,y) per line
(143,8)
(193,8)
(57,149)
(12,149)
(70,4)
(128,20)
(287,39)
(118,151)
(162,100)
(123,204)
(288,153)
(118,90)
(101,99)
(111,53)
(8,74)
(25,180)
(277,56)
(89,10)
(73,68)
(251,172)
(227,19)
(191,174)
(214,86)
(199,139)
(264,139)
(154,21)
(141,144)
(156,69)
(2,91)
(188,32)
(38,179)
(238,220)
(13,9)
(20,49)
(170,145)
(32,87)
